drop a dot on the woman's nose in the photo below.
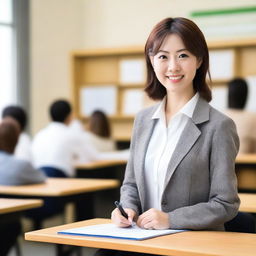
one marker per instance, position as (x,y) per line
(173,65)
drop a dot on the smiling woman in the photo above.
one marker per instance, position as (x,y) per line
(175,68)
(180,174)
(183,150)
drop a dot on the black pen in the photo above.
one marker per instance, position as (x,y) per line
(121,209)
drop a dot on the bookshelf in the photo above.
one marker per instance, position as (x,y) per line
(117,77)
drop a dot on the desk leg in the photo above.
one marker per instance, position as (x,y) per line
(85,207)
(10,229)
(66,250)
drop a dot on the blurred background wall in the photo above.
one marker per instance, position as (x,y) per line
(59,26)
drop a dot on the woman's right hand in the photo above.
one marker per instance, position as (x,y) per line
(118,219)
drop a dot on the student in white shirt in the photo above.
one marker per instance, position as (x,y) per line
(57,148)
(23,147)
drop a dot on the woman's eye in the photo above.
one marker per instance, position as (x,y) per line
(183,55)
(162,57)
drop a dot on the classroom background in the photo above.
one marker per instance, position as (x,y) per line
(90,52)
(39,38)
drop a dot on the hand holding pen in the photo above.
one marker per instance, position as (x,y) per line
(121,217)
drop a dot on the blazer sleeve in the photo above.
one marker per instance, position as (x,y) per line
(129,191)
(223,201)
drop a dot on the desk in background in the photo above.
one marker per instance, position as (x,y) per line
(59,187)
(248,202)
(246,159)
(64,190)
(191,243)
(104,169)
(10,223)
(11,208)
(246,172)
(9,205)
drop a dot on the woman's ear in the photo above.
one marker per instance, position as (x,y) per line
(199,62)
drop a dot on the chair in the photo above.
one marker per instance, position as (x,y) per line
(51,207)
(243,222)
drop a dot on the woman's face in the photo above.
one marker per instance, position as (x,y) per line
(175,67)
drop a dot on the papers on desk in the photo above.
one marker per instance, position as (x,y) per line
(112,231)
(98,98)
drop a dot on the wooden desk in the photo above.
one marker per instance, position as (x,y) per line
(107,169)
(104,169)
(248,202)
(8,205)
(10,215)
(246,172)
(191,243)
(101,164)
(246,159)
(59,187)
(64,190)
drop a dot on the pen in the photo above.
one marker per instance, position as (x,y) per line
(121,209)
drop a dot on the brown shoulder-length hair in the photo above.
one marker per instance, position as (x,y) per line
(194,42)
(9,134)
(99,124)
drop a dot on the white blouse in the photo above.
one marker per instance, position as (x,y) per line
(161,147)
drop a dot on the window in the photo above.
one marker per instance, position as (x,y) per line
(7,63)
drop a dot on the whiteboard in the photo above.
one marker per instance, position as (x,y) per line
(98,98)
(222,64)
(133,101)
(132,71)
(220,98)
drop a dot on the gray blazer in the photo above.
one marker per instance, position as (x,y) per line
(200,185)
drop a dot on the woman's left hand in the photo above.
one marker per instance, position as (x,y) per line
(153,219)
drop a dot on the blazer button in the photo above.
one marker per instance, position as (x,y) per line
(164,203)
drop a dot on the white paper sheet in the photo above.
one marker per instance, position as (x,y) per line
(222,64)
(112,231)
(98,98)
(219,97)
(133,101)
(132,71)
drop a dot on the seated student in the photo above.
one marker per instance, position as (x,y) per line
(245,121)
(98,137)
(57,148)
(246,125)
(23,147)
(99,133)
(13,171)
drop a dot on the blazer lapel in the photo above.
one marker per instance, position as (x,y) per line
(186,141)
(147,130)
(188,137)
(142,148)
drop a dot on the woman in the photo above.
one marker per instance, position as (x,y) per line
(181,171)
(180,174)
